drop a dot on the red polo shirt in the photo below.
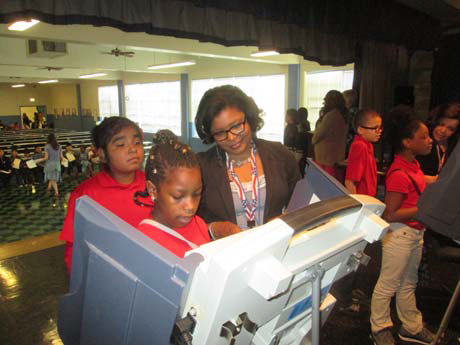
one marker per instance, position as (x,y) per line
(196,232)
(117,198)
(361,167)
(398,181)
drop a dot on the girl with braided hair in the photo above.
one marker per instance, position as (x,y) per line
(174,184)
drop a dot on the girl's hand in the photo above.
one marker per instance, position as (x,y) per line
(219,230)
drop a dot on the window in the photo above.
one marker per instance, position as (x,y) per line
(108,101)
(154,106)
(317,84)
(268,93)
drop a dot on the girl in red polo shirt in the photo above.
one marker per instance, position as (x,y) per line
(174,184)
(118,142)
(402,246)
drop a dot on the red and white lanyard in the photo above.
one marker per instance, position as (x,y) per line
(249,207)
(441,156)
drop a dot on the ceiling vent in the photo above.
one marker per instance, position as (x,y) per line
(46,49)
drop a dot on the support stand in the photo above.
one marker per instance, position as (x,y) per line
(447,314)
(316,276)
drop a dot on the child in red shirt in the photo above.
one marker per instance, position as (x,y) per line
(402,245)
(118,142)
(361,175)
(174,184)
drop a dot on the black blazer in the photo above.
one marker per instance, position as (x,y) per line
(429,163)
(281,174)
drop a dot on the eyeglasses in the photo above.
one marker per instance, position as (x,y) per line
(377,128)
(235,130)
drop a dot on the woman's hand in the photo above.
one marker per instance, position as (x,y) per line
(219,230)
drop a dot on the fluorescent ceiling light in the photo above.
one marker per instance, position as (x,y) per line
(18,85)
(92,75)
(32,99)
(23,25)
(265,53)
(170,65)
(48,81)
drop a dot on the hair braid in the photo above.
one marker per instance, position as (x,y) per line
(166,153)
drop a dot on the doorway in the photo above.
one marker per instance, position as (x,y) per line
(30,112)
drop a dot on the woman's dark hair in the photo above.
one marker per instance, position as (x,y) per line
(217,99)
(52,141)
(302,114)
(401,124)
(167,152)
(108,128)
(335,99)
(443,111)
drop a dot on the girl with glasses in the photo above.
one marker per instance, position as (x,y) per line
(247,181)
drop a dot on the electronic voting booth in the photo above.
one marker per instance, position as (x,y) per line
(265,286)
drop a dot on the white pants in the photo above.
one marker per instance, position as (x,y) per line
(401,254)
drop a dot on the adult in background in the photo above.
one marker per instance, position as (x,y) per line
(351,100)
(443,123)
(290,130)
(53,157)
(26,123)
(329,139)
(303,137)
(247,181)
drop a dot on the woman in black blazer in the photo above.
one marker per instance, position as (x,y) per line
(247,181)
(443,123)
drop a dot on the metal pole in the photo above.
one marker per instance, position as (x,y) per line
(447,314)
(316,304)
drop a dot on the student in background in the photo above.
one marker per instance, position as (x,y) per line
(38,172)
(174,184)
(5,169)
(17,171)
(53,157)
(27,174)
(360,178)
(361,174)
(84,160)
(402,245)
(118,142)
(72,165)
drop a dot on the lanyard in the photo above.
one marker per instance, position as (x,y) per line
(169,231)
(249,207)
(441,156)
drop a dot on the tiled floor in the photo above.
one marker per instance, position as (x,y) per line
(24,213)
(30,286)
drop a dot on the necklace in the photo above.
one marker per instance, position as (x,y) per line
(238,163)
